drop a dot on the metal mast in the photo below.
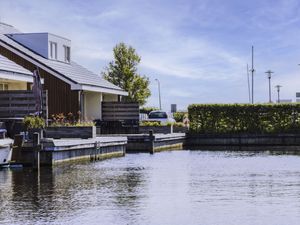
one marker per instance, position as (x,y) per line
(252,73)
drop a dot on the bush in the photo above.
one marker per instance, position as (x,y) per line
(150,123)
(244,118)
(179,116)
(34,122)
(60,120)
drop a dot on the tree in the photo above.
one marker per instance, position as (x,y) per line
(123,73)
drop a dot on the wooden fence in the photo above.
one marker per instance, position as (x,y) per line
(19,103)
(120,111)
(119,118)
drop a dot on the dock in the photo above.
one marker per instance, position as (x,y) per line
(52,152)
(151,143)
(56,151)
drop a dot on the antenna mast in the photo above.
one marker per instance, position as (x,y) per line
(252,72)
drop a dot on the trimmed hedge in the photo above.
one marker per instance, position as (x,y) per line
(178,116)
(244,118)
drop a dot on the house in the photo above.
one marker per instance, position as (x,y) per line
(71,87)
(13,76)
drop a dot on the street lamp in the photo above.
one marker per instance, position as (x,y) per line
(159,98)
(278,92)
(269,72)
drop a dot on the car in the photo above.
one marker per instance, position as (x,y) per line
(160,116)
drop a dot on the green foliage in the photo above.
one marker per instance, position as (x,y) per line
(147,110)
(179,116)
(150,124)
(244,118)
(123,73)
(179,124)
(158,124)
(34,122)
(60,120)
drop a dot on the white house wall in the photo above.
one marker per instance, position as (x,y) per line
(110,98)
(60,41)
(17,86)
(14,85)
(92,105)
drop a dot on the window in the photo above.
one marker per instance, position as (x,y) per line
(3,87)
(53,50)
(158,115)
(67,53)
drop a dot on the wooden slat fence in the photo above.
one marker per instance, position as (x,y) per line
(19,103)
(119,118)
(120,111)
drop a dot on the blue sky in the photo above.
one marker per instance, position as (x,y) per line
(197,49)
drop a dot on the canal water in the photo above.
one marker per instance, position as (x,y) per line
(178,187)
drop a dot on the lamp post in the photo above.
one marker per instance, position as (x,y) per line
(269,72)
(159,98)
(278,92)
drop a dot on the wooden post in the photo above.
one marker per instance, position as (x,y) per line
(17,147)
(36,143)
(151,142)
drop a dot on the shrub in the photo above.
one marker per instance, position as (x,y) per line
(244,118)
(150,123)
(179,124)
(179,116)
(60,120)
(34,122)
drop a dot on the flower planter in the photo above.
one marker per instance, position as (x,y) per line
(31,131)
(70,132)
(180,129)
(162,129)
(155,129)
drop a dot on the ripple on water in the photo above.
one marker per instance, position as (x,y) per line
(180,187)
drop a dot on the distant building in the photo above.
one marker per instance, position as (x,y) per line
(286,100)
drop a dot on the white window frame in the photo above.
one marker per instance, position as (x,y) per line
(53,50)
(67,51)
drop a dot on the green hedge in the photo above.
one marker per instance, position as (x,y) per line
(244,118)
(178,116)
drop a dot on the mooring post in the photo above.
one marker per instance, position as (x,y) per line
(151,142)
(36,143)
(17,147)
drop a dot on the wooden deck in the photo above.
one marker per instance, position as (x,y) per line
(155,143)
(57,151)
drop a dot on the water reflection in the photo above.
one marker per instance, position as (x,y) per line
(185,187)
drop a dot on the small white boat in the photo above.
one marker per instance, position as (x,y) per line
(5,151)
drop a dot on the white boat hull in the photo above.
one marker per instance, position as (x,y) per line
(5,151)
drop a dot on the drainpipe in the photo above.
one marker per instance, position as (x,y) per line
(81,104)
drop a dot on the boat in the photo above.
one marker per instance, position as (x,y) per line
(5,151)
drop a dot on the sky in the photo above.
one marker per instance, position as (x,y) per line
(197,49)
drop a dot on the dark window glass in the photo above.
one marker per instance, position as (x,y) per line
(158,115)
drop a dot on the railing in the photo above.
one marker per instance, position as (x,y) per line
(19,103)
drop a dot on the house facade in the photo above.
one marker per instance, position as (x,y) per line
(71,87)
